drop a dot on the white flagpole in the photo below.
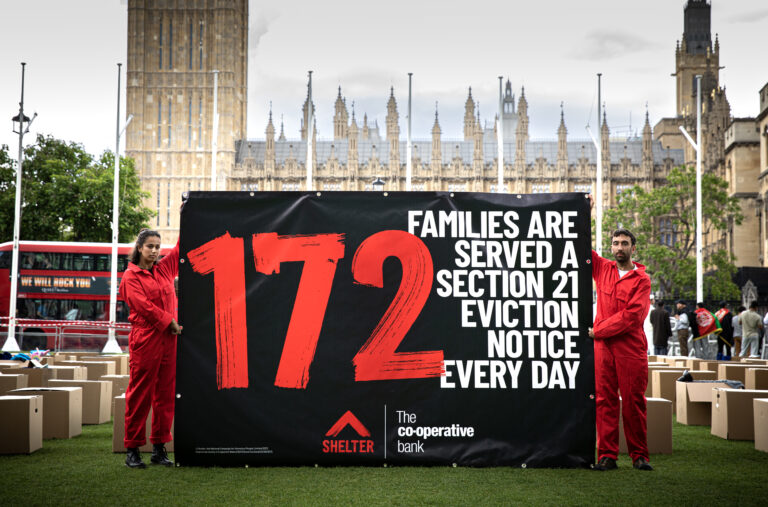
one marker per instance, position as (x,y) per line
(215,133)
(310,134)
(500,141)
(408,147)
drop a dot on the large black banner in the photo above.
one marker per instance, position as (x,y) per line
(369,328)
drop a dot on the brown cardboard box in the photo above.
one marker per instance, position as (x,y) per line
(654,358)
(651,369)
(120,360)
(119,386)
(756,378)
(5,364)
(118,429)
(95,368)
(657,363)
(734,371)
(21,425)
(664,382)
(712,365)
(96,398)
(760,410)
(754,360)
(732,416)
(11,382)
(63,414)
(70,372)
(693,364)
(671,360)
(37,377)
(694,401)
(659,418)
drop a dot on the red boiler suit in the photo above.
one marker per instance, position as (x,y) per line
(621,363)
(151,298)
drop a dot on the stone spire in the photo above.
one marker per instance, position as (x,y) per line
(562,143)
(521,134)
(305,111)
(393,130)
(606,144)
(282,130)
(366,130)
(270,132)
(469,117)
(340,118)
(647,145)
(437,147)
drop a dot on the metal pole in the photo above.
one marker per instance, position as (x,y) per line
(11,345)
(115,221)
(215,134)
(408,148)
(500,141)
(699,267)
(599,176)
(310,185)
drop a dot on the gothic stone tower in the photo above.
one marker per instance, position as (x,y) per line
(695,55)
(173,47)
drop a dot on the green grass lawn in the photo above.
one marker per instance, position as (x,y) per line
(703,470)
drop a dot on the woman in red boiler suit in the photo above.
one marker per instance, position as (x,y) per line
(147,287)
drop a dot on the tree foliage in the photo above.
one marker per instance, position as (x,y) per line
(67,194)
(664,222)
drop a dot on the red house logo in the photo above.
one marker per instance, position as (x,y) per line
(362,445)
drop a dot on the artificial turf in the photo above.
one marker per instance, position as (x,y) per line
(703,470)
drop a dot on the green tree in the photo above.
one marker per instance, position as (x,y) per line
(67,195)
(7,194)
(664,222)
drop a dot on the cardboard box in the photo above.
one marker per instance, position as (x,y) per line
(97,395)
(734,371)
(659,424)
(694,402)
(712,365)
(120,360)
(95,368)
(119,386)
(70,372)
(657,363)
(63,414)
(754,360)
(664,383)
(118,429)
(11,382)
(651,369)
(7,363)
(732,416)
(21,425)
(760,410)
(756,378)
(36,377)
(653,358)
(693,364)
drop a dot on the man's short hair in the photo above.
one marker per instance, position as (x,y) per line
(723,304)
(753,304)
(624,232)
(700,305)
(681,302)
(659,303)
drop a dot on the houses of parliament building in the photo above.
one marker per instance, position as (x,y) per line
(174,47)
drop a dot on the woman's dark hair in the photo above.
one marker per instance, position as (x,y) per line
(135,255)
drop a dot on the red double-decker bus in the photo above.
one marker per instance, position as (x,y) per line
(63,294)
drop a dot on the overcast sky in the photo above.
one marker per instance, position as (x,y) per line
(553,48)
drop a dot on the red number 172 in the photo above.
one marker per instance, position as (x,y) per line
(377,359)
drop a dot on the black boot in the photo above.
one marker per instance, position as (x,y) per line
(133,458)
(159,456)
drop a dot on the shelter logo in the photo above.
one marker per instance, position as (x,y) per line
(335,445)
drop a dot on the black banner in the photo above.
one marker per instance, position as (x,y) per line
(364,328)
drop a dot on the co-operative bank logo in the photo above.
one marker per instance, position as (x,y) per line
(335,445)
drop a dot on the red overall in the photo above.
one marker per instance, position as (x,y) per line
(152,300)
(621,363)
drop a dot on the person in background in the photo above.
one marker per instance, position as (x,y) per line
(737,333)
(147,287)
(682,328)
(662,330)
(751,324)
(725,340)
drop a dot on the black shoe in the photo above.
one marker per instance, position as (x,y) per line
(159,456)
(133,458)
(642,464)
(606,463)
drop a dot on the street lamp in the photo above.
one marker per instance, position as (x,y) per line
(378,184)
(23,127)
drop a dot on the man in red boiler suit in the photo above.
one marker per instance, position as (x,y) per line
(621,363)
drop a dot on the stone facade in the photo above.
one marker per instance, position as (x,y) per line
(173,49)
(761,122)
